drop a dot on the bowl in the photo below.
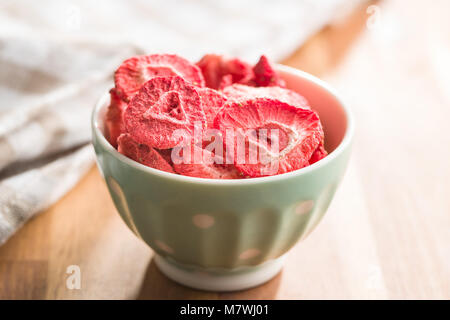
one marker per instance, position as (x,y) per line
(224,235)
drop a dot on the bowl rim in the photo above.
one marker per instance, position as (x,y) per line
(343,145)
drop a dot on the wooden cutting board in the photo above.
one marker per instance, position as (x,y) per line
(387,232)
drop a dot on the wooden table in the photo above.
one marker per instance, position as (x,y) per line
(387,232)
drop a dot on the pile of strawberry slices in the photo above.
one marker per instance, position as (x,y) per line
(220,118)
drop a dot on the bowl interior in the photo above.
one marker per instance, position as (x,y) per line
(323,100)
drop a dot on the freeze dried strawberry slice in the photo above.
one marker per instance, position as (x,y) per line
(212,102)
(114,125)
(240,71)
(134,72)
(142,153)
(319,154)
(211,67)
(202,163)
(227,80)
(220,70)
(265,74)
(166,154)
(241,92)
(164,112)
(288,148)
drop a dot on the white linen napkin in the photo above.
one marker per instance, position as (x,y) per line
(47,91)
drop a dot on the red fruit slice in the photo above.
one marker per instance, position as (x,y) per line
(299,134)
(240,70)
(227,80)
(142,153)
(319,154)
(241,92)
(114,125)
(166,154)
(207,167)
(265,74)
(219,70)
(163,108)
(212,102)
(211,67)
(134,72)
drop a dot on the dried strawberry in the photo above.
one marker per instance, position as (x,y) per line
(300,133)
(319,154)
(240,70)
(164,113)
(219,70)
(212,102)
(114,125)
(265,74)
(241,92)
(166,154)
(227,80)
(206,166)
(142,153)
(134,72)
(211,67)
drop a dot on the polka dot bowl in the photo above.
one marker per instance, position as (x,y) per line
(228,234)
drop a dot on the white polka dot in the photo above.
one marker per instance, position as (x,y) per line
(304,207)
(117,190)
(250,253)
(163,246)
(203,221)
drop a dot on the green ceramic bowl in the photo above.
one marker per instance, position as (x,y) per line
(228,234)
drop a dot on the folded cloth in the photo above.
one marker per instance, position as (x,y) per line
(24,194)
(47,93)
(57,57)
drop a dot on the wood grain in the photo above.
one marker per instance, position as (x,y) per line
(387,232)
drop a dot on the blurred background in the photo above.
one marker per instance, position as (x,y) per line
(386,234)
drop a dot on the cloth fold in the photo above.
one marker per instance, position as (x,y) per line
(47,92)
(25,194)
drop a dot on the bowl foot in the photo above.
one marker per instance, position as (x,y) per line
(205,279)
